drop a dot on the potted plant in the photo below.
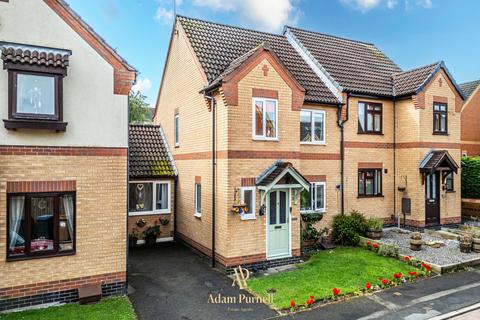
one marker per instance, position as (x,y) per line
(310,234)
(465,243)
(133,238)
(374,229)
(475,233)
(416,241)
(150,234)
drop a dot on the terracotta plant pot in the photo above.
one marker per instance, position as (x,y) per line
(374,234)
(476,245)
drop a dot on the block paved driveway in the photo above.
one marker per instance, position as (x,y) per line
(171,282)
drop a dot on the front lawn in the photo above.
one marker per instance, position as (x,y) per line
(347,269)
(112,308)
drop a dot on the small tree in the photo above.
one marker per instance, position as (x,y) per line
(138,110)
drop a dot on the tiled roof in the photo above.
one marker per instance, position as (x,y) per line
(437,158)
(149,156)
(356,66)
(469,87)
(275,170)
(33,55)
(217,45)
(408,82)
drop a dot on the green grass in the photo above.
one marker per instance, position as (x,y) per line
(112,308)
(347,269)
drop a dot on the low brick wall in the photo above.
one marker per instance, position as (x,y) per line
(470,208)
(62,291)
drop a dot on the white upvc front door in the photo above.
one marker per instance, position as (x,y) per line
(278,224)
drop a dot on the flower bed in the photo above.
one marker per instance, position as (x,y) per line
(333,275)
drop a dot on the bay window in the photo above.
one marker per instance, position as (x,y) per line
(40,224)
(312,126)
(265,119)
(315,198)
(149,197)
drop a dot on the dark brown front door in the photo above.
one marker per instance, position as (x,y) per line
(432,203)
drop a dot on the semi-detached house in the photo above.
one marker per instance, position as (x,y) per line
(264,127)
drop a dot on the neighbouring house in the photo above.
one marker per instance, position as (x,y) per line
(152,175)
(471,119)
(264,127)
(63,157)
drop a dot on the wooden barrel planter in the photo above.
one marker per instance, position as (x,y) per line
(415,241)
(476,245)
(374,234)
(465,244)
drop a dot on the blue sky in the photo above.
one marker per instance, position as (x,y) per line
(411,32)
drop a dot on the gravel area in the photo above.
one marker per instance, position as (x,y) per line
(448,254)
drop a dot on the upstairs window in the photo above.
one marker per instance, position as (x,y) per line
(369,182)
(440,118)
(176,127)
(314,199)
(369,117)
(35,87)
(312,127)
(265,119)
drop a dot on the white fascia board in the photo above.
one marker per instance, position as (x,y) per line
(319,70)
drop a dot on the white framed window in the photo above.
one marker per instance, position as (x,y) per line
(264,119)
(312,126)
(314,199)
(198,200)
(149,197)
(248,197)
(177,130)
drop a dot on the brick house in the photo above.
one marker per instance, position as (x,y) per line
(264,127)
(471,119)
(152,175)
(63,156)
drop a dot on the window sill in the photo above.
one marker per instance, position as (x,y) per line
(312,211)
(440,133)
(371,133)
(450,191)
(35,124)
(265,139)
(377,196)
(248,217)
(40,256)
(148,213)
(198,215)
(313,143)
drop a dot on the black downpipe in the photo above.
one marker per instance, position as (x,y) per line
(394,159)
(341,124)
(213,103)
(127,250)
(175,183)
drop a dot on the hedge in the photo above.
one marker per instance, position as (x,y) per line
(471,177)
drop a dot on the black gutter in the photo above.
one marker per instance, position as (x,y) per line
(212,103)
(175,183)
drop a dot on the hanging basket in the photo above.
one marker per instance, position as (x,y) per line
(239,209)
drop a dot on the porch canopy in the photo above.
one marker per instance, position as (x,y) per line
(438,160)
(281,175)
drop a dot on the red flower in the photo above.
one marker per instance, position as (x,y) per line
(375,245)
(292,304)
(309,302)
(407,258)
(369,243)
(385,281)
(311,297)
(412,273)
(397,275)
(336,291)
(368,286)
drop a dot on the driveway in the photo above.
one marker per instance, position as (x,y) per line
(171,282)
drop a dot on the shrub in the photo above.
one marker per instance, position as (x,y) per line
(347,229)
(375,223)
(388,250)
(309,232)
(471,177)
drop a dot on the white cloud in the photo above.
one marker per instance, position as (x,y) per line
(267,15)
(142,85)
(164,15)
(367,5)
